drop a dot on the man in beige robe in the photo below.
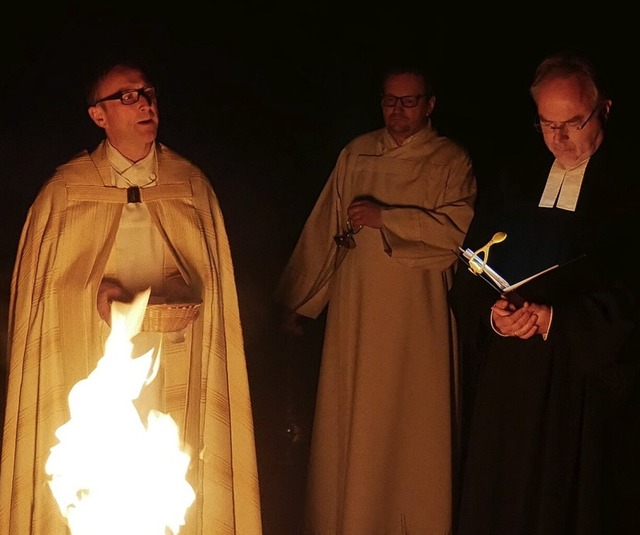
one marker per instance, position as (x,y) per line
(70,249)
(400,200)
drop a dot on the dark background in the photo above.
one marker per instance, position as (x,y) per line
(263,99)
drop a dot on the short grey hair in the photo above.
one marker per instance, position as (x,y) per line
(566,64)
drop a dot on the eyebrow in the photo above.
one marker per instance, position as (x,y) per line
(574,118)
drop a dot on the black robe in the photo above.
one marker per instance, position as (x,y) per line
(549,429)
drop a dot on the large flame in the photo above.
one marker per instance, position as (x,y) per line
(109,473)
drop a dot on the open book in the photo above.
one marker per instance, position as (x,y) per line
(546,286)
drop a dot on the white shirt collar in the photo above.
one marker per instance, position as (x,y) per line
(563,187)
(126,173)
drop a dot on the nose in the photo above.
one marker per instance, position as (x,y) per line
(559,131)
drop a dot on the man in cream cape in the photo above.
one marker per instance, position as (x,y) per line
(74,236)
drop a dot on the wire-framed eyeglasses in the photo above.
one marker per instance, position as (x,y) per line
(131,96)
(407,101)
(574,125)
(346,239)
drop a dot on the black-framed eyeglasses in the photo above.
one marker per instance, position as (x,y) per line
(346,239)
(407,101)
(576,125)
(131,96)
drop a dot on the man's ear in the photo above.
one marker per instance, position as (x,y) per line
(606,109)
(431,103)
(97,115)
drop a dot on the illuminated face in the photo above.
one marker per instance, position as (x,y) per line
(130,127)
(570,120)
(404,117)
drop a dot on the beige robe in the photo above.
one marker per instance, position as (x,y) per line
(56,337)
(386,413)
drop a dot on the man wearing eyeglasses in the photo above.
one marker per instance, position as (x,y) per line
(378,251)
(551,438)
(128,216)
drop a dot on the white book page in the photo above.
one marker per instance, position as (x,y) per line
(523,281)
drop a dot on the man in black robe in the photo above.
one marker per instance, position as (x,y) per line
(549,387)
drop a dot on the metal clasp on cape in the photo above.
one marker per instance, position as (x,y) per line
(133,194)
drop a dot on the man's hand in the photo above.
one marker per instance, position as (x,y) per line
(365,214)
(291,323)
(511,321)
(110,290)
(543,313)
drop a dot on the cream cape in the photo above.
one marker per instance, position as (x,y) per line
(56,338)
(386,412)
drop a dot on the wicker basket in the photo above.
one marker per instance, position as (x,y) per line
(169,317)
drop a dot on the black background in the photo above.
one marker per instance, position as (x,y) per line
(262,99)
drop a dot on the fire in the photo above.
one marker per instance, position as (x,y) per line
(109,473)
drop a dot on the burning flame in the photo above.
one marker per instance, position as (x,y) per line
(109,473)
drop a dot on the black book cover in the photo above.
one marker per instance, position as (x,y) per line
(551,285)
